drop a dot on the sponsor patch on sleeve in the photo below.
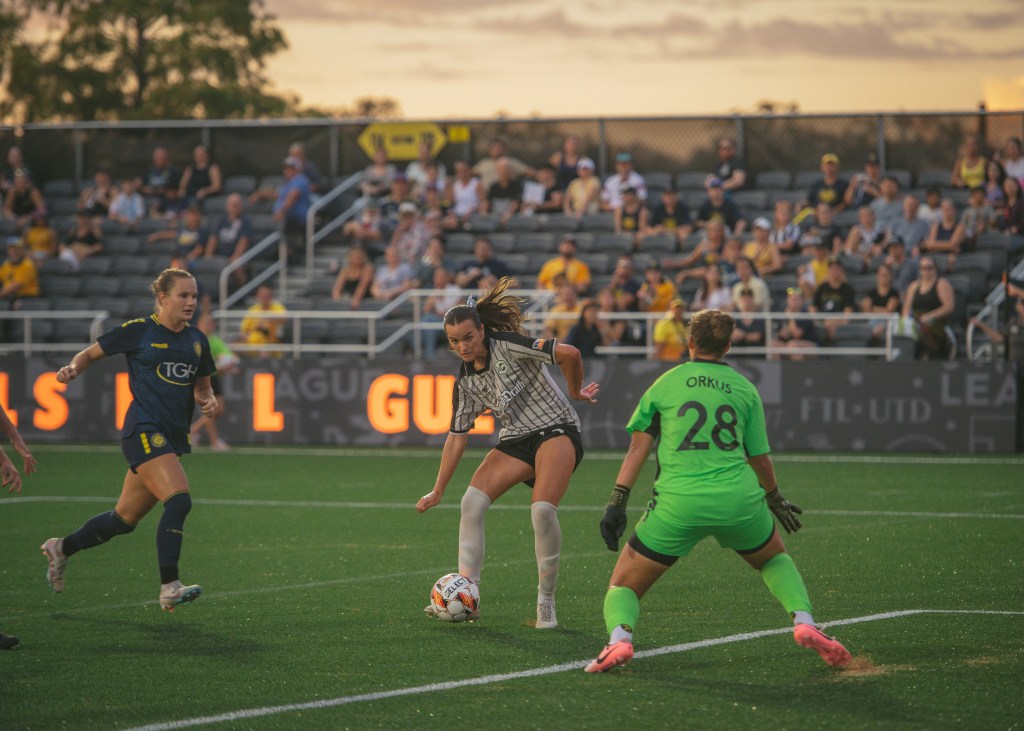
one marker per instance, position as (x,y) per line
(538,344)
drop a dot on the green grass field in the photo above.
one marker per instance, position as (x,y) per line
(315,568)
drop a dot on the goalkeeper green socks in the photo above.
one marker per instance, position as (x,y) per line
(784,582)
(621,607)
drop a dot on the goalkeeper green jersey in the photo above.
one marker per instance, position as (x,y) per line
(707,419)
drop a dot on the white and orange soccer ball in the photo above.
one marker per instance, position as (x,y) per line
(455,598)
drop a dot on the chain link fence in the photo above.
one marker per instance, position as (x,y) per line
(790,143)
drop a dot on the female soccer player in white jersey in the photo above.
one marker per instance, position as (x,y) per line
(539,443)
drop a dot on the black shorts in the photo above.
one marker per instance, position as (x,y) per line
(148,442)
(525,448)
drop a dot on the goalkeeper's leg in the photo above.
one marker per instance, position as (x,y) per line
(783,580)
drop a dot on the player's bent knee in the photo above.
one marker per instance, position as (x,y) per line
(475,501)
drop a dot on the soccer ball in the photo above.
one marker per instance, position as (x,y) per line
(455,598)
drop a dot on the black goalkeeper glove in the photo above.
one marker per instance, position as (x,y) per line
(613,524)
(784,510)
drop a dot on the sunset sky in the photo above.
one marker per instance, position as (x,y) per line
(475,58)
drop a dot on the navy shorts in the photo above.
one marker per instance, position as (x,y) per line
(146,443)
(525,448)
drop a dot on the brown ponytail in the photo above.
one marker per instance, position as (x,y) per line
(497,310)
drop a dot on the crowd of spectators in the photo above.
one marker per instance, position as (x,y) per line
(708,247)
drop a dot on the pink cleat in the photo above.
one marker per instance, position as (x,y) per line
(611,656)
(830,649)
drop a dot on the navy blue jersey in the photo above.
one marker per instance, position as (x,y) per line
(162,369)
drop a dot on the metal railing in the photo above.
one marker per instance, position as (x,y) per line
(538,307)
(227,299)
(28,346)
(313,237)
(990,315)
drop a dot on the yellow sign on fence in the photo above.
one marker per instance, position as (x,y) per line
(401,140)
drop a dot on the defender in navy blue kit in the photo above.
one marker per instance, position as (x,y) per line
(169,369)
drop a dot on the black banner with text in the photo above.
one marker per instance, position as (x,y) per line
(821,405)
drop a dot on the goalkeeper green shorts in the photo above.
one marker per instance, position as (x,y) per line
(666,537)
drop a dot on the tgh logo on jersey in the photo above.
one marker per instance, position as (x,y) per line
(178,374)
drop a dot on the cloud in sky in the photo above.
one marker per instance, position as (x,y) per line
(852,55)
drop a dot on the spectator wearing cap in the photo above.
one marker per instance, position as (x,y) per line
(812,274)
(378,175)
(834,296)
(487,169)
(904,266)
(796,331)
(504,196)
(631,217)
(864,187)
(410,235)
(657,291)
(18,276)
(575,271)
(671,333)
(830,188)
(888,207)
(748,280)
(765,255)
(719,208)
(931,210)
(910,228)
(309,168)
(291,204)
(670,216)
(625,177)
(822,225)
(731,170)
(583,196)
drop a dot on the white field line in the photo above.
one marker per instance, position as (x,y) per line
(536,672)
(344,505)
(602,455)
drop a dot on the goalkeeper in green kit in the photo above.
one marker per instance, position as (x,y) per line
(715,478)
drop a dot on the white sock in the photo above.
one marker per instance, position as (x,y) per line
(471,532)
(547,543)
(620,633)
(803,618)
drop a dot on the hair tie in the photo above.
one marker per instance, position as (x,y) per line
(471,301)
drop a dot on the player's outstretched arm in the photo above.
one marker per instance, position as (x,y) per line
(570,361)
(80,362)
(451,455)
(613,523)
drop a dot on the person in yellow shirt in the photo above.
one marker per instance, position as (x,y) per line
(567,304)
(257,330)
(40,238)
(656,292)
(575,271)
(18,275)
(671,333)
